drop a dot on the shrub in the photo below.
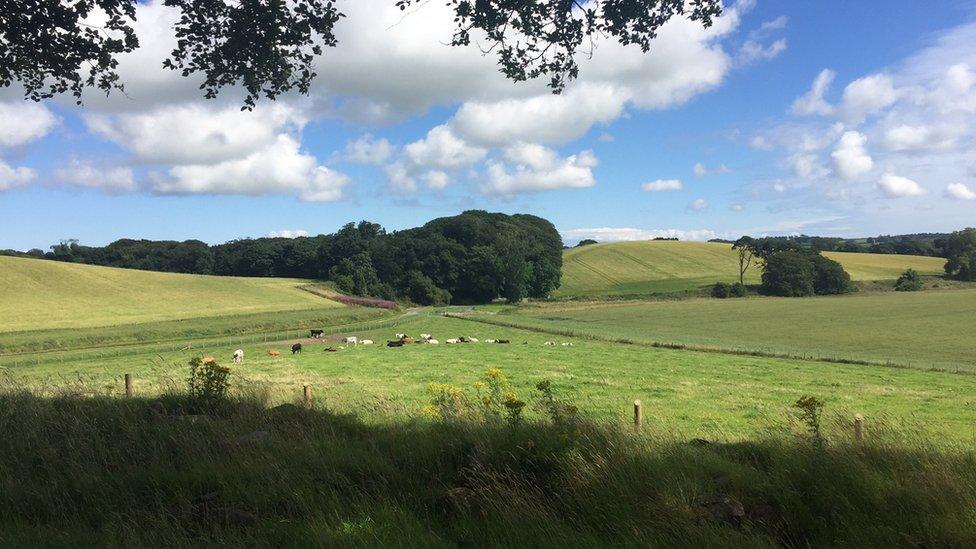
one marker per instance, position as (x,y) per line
(788,274)
(909,281)
(207,384)
(721,290)
(829,277)
(810,408)
(738,290)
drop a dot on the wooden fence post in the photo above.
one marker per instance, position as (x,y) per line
(638,415)
(307,390)
(858,427)
(128,385)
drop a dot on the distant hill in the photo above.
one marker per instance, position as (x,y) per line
(648,267)
(40,294)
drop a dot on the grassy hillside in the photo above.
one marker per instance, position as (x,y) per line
(38,294)
(646,267)
(925,329)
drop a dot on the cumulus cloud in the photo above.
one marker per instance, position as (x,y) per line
(437,179)
(368,150)
(538,168)
(660,185)
(22,122)
(612,234)
(279,169)
(851,159)
(866,96)
(812,102)
(895,186)
(85,174)
(906,137)
(752,51)
(959,191)
(441,148)
(288,233)
(11,177)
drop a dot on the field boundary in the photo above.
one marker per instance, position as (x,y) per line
(705,348)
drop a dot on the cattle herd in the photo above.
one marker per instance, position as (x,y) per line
(399,340)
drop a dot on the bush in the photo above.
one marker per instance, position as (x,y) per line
(738,290)
(788,274)
(829,277)
(207,384)
(721,290)
(909,281)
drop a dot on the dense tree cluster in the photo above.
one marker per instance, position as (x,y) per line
(928,244)
(960,251)
(473,257)
(790,269)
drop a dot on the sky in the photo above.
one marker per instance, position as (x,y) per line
(831,118)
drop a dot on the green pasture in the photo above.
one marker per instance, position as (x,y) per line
(39,294)
(651,267)
(692,393)
(929,329)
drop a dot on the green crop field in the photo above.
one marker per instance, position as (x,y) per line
(919,329)
(38,294)
(649,267)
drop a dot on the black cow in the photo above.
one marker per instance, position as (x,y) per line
(316,333)
(296,348)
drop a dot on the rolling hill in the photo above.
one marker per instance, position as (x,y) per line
(648,267)
(40,294)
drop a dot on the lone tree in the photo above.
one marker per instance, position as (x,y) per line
(746,247)
(52,47)
(960,250)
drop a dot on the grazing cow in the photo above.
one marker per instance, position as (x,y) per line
(491,341)
(400,336)
(452,341)
(209,360)
(296,348)
(238,356)
(472,340)
(549,343)
(366,342)
(567,344)
(425,336)
(274,352)
(316,333)
(351,339)
(432,342)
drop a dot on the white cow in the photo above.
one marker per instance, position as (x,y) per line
(400,336)
(491,341)
(366,342)
(472,340)
(549,343)
(238,356)
(567,344)
(432,342)
(351,339)
(452,341)
(425,336)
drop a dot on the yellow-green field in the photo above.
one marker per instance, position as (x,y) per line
(38,294)
(648,267)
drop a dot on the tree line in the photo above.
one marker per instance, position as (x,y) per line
(474,257)
(927,244)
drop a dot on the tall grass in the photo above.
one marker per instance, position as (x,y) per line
(108,471)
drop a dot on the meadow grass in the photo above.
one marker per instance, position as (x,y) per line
(107,471)
(693,393)
(652,267)
(928,329)
(41,294)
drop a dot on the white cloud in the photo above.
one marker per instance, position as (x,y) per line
(613,234)
(700,170)
(196,133)
(851,159)
(280,168)
(699,204)
(85,174)
(24,121)
(866,96)
(441,148)
(368,150)
(437,179)
(606,138)
(538,169)
(918,138)
(662,185)
(894,186)
(400,179)
(288,233)
(774,24)
(11,177)
(812,102)
(752,50)
(960,191)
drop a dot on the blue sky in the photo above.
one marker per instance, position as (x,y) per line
(832,118)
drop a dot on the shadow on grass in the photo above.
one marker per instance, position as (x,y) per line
(107,471)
